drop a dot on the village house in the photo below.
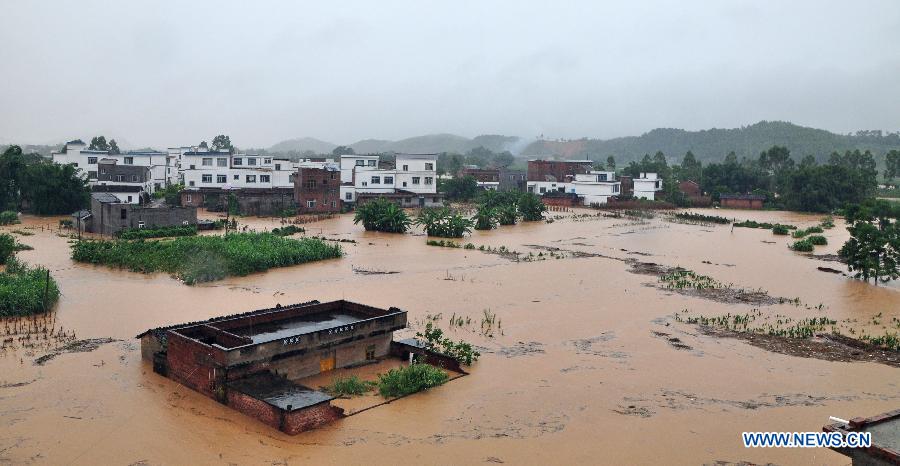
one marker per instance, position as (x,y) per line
(486,178)
(557,170)
(252,361)
(411,181)
(692,192)
(513,180)
(108,215)
(162,165)
(742,201)
(317,189)
(129,183)
(594,187)
(646,185)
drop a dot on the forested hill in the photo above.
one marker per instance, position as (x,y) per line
(714,144)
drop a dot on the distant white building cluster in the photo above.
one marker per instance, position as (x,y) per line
(132,176)
(576,179)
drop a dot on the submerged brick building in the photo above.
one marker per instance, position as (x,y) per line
(249,361)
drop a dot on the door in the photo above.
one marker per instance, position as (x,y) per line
(326,363)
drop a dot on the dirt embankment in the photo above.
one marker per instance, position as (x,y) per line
(723,294)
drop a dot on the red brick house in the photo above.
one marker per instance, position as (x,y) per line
(742,201)
(557,170)
(317,190)
(692,191)
(484,175)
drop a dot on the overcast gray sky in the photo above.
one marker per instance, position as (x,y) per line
(171,73)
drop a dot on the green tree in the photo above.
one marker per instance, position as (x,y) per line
(892,164)
(222,143)
(503,160)
(114,147)
(531,207)
(691,169)
(443,223)
(611,163)
(343,150)
(459,189)
(382,215)
(873,250)
(98,143)
(485,218)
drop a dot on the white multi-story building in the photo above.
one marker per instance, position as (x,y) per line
(412,174)
(647,185)
(595,187)
(163,168)
(235,171)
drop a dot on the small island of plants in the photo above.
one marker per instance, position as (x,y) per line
(196,259)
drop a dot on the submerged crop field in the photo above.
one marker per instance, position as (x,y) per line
(196,259)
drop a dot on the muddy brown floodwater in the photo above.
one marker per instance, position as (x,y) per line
(587,365)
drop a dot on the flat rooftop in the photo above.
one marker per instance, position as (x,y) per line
(297,325)
(278,391)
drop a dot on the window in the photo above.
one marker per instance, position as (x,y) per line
(237,177)
(360,163)
(543,190)
(310,183)
(207,178)
(370,352)
(404,184)
(191,183)
(221,162)
(238,161)
(192,167)
(364,183)
(406,168)
(602,177)
(251,160)
(92,160)
(333,204)
(267,161)
(207,162)
(429,166)
(429,180)
(221,179)
(310,203)
(265,178)
(120,177)
(415,180)
(123,214)
(388,180)
(376,180)
(332,175)
(92,175)
(188,198)
(129,161)
(129,198)
(277,166)
(371,163)
(251,178)
(134,178)
(348,196)
(615,188)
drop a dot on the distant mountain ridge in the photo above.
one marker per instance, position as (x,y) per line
(419,144)
(714,144)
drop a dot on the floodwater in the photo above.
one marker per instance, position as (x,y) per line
(573,371)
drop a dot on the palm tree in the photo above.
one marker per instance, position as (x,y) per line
(531,207)
(485,219)
(382,215)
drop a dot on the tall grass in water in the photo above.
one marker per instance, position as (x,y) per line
(25,290)
(197,259)
(410,379)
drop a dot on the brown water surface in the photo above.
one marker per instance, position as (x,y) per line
(573,373)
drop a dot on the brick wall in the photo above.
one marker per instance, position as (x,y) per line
(319,185)
(540,170)
(742,203)
(310,418)
(257,409)
(191,364)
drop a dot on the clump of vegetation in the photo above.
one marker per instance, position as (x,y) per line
(827,222)
(444,223)
(763,225)
(817,240)
(171,194)
(410,379)
(872,250)
(807,231)
(782,327)
(7,247)
(507,214)
(680,279)
(382,215)
(197,259)
(288,230)
(780,230)
(25,290)
(161,232)
(22,233)
(8,217)
(350,386)
(447,244)
(434,340)
(531,208)
(803,245)
(485,218)
(66,223)
(690,216)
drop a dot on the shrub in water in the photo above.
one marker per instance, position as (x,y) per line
(817,240)
(350,386)
(25,290)
(8,217)
(779,230)
(7,247)
(161,232)
(382,215)
(410,379)
(802,246)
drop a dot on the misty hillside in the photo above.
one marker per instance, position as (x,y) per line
(302,145)
(714,144)
(419,144)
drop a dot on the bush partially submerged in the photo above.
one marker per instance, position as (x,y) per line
(434,340)
(444,223)
(160,232)
(8,217)
(25,290)
(205,258)
(410,379)
(382,215)
(350,386)
(803,245)
(780,230)
(817,240)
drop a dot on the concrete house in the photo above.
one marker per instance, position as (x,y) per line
(109,215)
(646,185)
(411,182)
(594,187)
